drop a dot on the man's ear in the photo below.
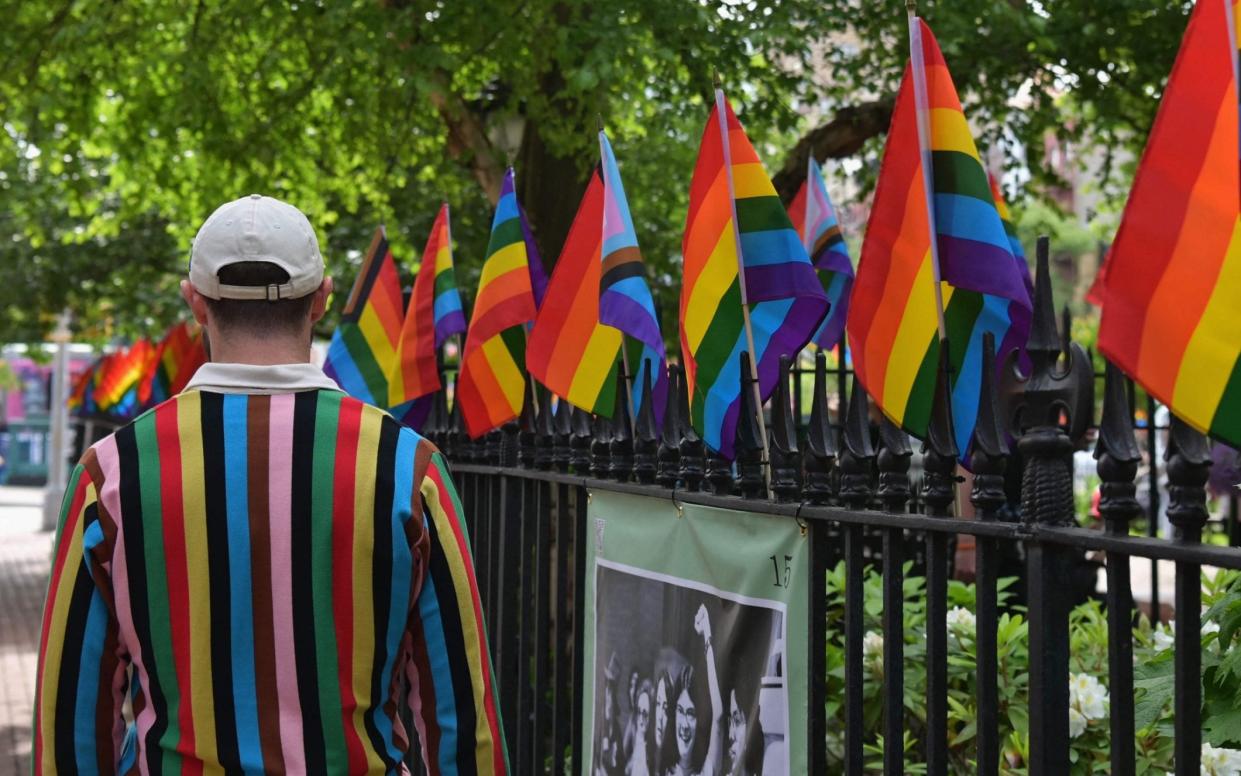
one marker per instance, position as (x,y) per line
(318,306)
(195,301)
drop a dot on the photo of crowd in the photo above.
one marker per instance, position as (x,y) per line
(689,681)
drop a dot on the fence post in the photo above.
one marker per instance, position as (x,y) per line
(988,459)
(1052,390)
(1189,463)
(749,447)
(669,454)
(600,447)
(855,491)
(562,447)
(939,479)
(580,442)
(544,433)
(785,460)
(1118,456)
(691,446)
(621,446)
(646,436)
(893,461)
(819,458)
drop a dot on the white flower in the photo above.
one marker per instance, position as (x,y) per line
(1220,762)
(1077,723)
(1088,700)
(960,621)
(1210,627)
(872,649)
(1164,636)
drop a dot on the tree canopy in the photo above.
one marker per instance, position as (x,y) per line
(125,124)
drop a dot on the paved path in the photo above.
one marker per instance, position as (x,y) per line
(24,565)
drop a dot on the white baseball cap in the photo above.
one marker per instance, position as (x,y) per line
(256,228)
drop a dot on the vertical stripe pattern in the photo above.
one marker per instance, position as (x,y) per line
(273,568)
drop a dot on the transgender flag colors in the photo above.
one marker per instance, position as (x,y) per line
(434,314)
(933,219)
(815,220)
(737,231)
(1172,289)
(362,352)
(491,386)
(625,300)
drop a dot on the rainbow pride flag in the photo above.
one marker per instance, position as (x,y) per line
(363,348)
(741,253)
(815,220)
(1006,218)
(625,300)
(570,350)
(179,355)
(934,233)
(434,314)
(491,386)
(121,377)
(1172,289)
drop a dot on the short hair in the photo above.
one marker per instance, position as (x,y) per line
(278,316)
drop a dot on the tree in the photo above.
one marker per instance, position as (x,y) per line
(126,123)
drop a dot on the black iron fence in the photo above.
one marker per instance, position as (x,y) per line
(845,476)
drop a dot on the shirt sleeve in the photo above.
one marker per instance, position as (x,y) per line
(452,692)
(80,684)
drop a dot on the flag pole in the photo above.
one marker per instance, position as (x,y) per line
(918,70)
(625,371)
(745,306)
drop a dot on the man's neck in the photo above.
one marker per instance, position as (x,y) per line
(259,352)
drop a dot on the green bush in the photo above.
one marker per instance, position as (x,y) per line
(1088,661)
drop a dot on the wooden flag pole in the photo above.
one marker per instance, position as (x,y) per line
(924,146)
(745,307)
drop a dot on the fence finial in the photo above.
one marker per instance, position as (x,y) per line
(669,454)
(544,435)
(563,428)
(785,459)
(526,424)
(939,459)
(893,463)
(691,445)
(581,441)
(645,440)
(1118,454)
(621,447)
(750,443)
(819,458)
(858,450)
(989,445)
(600,447)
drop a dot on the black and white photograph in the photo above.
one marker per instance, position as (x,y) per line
(689,680)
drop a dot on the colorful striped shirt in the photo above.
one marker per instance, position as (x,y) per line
(274,582)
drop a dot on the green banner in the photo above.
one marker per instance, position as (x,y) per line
(696,636)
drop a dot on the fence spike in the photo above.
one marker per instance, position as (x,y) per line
(669,454)
(749,446)
(939,451)
(858,452)
(600,446)
(1189,463)
(646,437)
(562,425)
(989,444)
(1117,452)
(581,440)
(785,457)
(620,464)
(819,457)
(1043,340)
(544,432)
(526,424)
(692,448)
(893,465)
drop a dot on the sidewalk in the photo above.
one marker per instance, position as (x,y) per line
(24,565)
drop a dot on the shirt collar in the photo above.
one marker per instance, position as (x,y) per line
(267,379)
